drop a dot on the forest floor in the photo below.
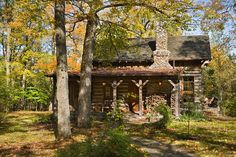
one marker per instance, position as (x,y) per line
(30,134)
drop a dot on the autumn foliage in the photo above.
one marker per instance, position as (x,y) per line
(48,64)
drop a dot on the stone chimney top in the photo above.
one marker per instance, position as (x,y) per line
(161,54)
(161,37)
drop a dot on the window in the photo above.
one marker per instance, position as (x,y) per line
(188,84)
(188,88)
(107,92)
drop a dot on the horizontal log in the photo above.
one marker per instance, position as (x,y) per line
(123,88)
(194,75)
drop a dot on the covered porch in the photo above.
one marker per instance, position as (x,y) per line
(132,87)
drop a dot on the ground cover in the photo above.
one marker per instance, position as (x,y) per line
(31,134)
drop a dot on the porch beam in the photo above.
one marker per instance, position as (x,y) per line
(136,83)
(172,83)
(145,83)
(140,84)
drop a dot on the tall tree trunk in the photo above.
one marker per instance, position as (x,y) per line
(220,91)
(23,104)
(62,92)
(53,44)
(84,100)
(7,55)
(53,96)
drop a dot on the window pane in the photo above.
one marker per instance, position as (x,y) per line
(188,88)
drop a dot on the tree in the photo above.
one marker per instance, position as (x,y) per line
(85,77)
(218,17)
(62,92)
(6,14)
(219,76)
(173,14)
(23,26)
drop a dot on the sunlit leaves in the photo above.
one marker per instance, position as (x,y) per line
(73,62)
(110,40)
(219,74)
(216,14)
(47,63)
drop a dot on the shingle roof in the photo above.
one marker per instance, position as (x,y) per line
(127,71)
(136,71)
(189,48)
(181,48)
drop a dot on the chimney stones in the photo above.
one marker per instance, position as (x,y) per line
(161,54)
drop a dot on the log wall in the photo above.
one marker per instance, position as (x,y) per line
(102,91)
(196,74)
(73,93)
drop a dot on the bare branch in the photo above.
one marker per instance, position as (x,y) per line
(79,19)
(151,7)
(78,6)
(119,25)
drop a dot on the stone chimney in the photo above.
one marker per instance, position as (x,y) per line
(161,54)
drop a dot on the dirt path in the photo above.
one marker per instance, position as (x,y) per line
(159,149)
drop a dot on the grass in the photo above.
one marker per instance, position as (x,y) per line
(213,137)
(27,133)
(23,135)
(207,138)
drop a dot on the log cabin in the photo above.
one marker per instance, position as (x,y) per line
(166,66)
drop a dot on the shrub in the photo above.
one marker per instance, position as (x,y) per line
(115,117)
(198,116)
(2,117)
(152,103)
(112,143)
(230,107)
(165,111)
(45,119)
(192,111)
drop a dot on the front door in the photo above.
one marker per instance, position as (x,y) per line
(133,98)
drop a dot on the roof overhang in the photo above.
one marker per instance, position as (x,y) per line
(113,72)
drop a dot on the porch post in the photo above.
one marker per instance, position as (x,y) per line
(175,94)
(114,85)
(140,85)
(140,101)
(177,105)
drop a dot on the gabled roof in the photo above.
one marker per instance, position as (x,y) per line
(189,48)
(181,48)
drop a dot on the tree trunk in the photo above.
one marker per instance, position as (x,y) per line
(54,101)
(219,106)
(23,104)
(62,92)
(54,104)
(53,44)
(84,100)
(7,55)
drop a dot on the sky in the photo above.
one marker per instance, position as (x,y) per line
(230,25)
